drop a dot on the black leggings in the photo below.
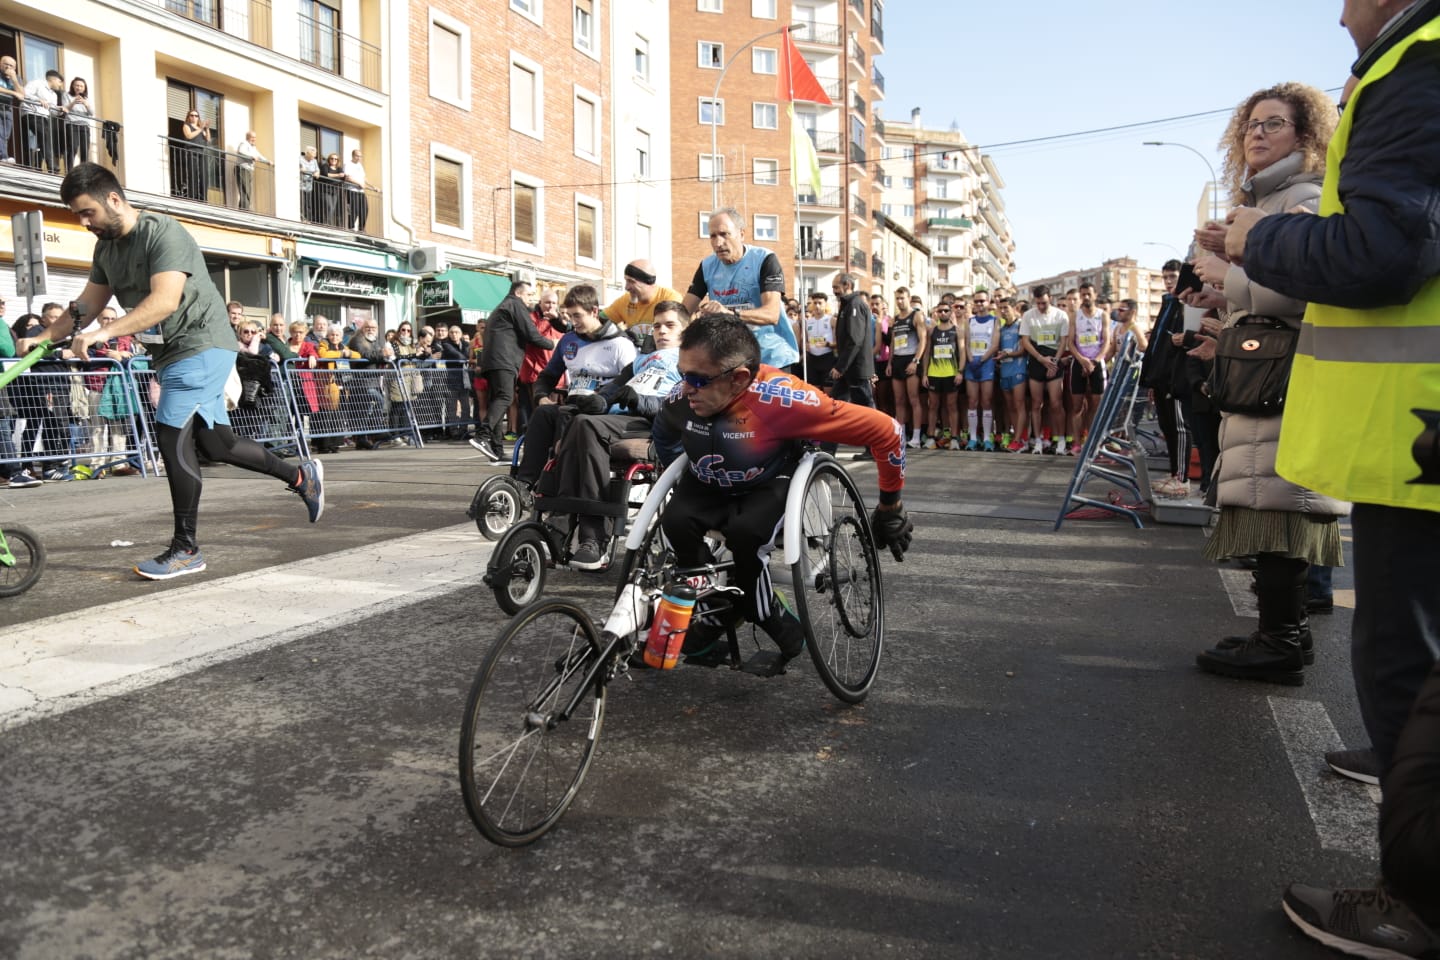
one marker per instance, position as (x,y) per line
(182,466)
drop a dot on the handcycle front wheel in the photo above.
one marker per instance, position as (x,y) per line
(518,569)
(532,721)
(837,584)
(29,554)
(497,507)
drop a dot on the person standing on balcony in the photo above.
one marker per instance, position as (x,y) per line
(40,119)
(11,92)
(309,170)
(331,185)
(154,269)
(79,115)
(189,156)
(357,205)
(245,169)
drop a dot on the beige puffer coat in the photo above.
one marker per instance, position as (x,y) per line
(1245,472)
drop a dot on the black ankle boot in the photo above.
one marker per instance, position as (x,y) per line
(1275,652)
(1260,656)
(1307,644)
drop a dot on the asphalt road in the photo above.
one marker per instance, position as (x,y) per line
(1040,771)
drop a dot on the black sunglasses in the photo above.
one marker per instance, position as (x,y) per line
(697,381)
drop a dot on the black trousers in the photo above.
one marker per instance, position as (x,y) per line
(1410,811)
(502,391)
(584,454)
(547,425)
(1395,634)
(751,523)
(1204,429)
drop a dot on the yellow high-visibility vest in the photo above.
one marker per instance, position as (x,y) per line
(1349,428)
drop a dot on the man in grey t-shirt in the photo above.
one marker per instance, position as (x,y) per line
(154,268)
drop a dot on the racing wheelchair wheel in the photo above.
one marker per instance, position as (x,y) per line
(497,506)
(532,721)
(518,570)
(836,579)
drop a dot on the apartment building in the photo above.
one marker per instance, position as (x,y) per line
(731,139)
(903,260)
(1120,278)
(298,73)
(511,171)
(949,194)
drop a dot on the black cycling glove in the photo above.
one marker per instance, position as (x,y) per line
(588,403)
(893,529)
(627,398)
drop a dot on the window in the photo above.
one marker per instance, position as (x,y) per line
(909,210)
(527,215)
(908,183)
(767,227)
(712,55)
(526,96)
(449,60)
(449,196)
(587,230)
(531,9)
(643,241)
(587,125)
(711,168)
(325,140)
(857,133)
(642,155)
(767,172)
(887,209)
(763,60)
(710,6)
(196,178)
(320,35)
(942,244)
(704,224)
(886,180)
(762,9)
(767,116)
(642,58)
(585,26)
(712,111)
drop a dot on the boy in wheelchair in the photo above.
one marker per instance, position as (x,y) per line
(609,405)
(742,425)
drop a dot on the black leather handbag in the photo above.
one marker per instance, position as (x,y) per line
(1251,374)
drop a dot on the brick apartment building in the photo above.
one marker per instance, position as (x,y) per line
(835,228)
(1120,277)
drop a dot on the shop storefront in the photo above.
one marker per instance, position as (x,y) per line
(352,286)
(463,296)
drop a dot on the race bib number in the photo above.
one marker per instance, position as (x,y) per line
(1047,338)
(978,347)
(901,342)
(944,351)
(819,344)
(649,381)
(581,383)
(1089,339)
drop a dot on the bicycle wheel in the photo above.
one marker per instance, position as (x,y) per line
(29,555)
(531,723)
(518,570)
(497,507)
(837,585)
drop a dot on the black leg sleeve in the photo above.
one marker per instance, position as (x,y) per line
(221,445)
(182,473)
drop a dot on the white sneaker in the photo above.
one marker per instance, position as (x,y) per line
(1060,448)
(914,444)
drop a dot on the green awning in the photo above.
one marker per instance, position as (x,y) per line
(474,290)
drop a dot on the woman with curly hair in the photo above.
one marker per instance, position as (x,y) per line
(1274,160)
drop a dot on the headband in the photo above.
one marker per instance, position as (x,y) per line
(635,273)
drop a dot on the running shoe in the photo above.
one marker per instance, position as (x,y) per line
(1060,448)
(511,437)
(927,444)
(587,556)
(173,563)
(974,445)
(312,487)
(914,443)
(1015,446)
(1363,923)
(988,446)
(25,479)
(54,476)
(1361,765)
(488,447)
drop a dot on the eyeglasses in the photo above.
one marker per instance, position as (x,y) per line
(696,381)
(1269,125)
(942,309)
(248,333)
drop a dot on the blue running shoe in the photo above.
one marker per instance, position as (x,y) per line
(973,444)
(312,487)
(989,446)
(173,563)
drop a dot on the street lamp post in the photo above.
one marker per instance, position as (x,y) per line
(1214,181)
(715,113)
(1157,243)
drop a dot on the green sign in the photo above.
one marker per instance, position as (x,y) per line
(348,283)
(436,293)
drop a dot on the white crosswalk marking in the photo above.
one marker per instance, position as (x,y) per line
(1343,811)
(57,664)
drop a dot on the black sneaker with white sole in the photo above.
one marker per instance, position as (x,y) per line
(587,556)
(1363,923)
(1362,765)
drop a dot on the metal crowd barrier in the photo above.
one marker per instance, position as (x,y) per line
(65,415)
(350,398)
(443,400)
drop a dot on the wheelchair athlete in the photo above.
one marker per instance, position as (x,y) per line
(742,424)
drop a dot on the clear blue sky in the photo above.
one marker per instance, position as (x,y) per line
(1013,71)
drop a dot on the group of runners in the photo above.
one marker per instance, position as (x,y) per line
(1048,360)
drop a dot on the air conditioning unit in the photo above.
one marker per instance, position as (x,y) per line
(427,260)
(523,275)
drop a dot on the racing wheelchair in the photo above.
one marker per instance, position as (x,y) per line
(535,711)
(528,549)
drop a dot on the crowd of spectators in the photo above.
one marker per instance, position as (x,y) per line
(45,123)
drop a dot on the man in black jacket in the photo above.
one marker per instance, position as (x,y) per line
(1368,267)
(854,345)
(507,332)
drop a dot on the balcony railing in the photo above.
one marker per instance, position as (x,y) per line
(809,32)
(877,78)
(877,28)
(324,46)
(825,198)
(877,266)
(245,19)
(857,152)
(950,223)
(333,204)
(207,175)
(879,127)
(832,88)
(859,7)
(825,142)
(857,54)
(818,250)
(857,259)
(55,143)
(857,207)
(857,103)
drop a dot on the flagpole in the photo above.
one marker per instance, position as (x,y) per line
(715,114)
(803,335)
